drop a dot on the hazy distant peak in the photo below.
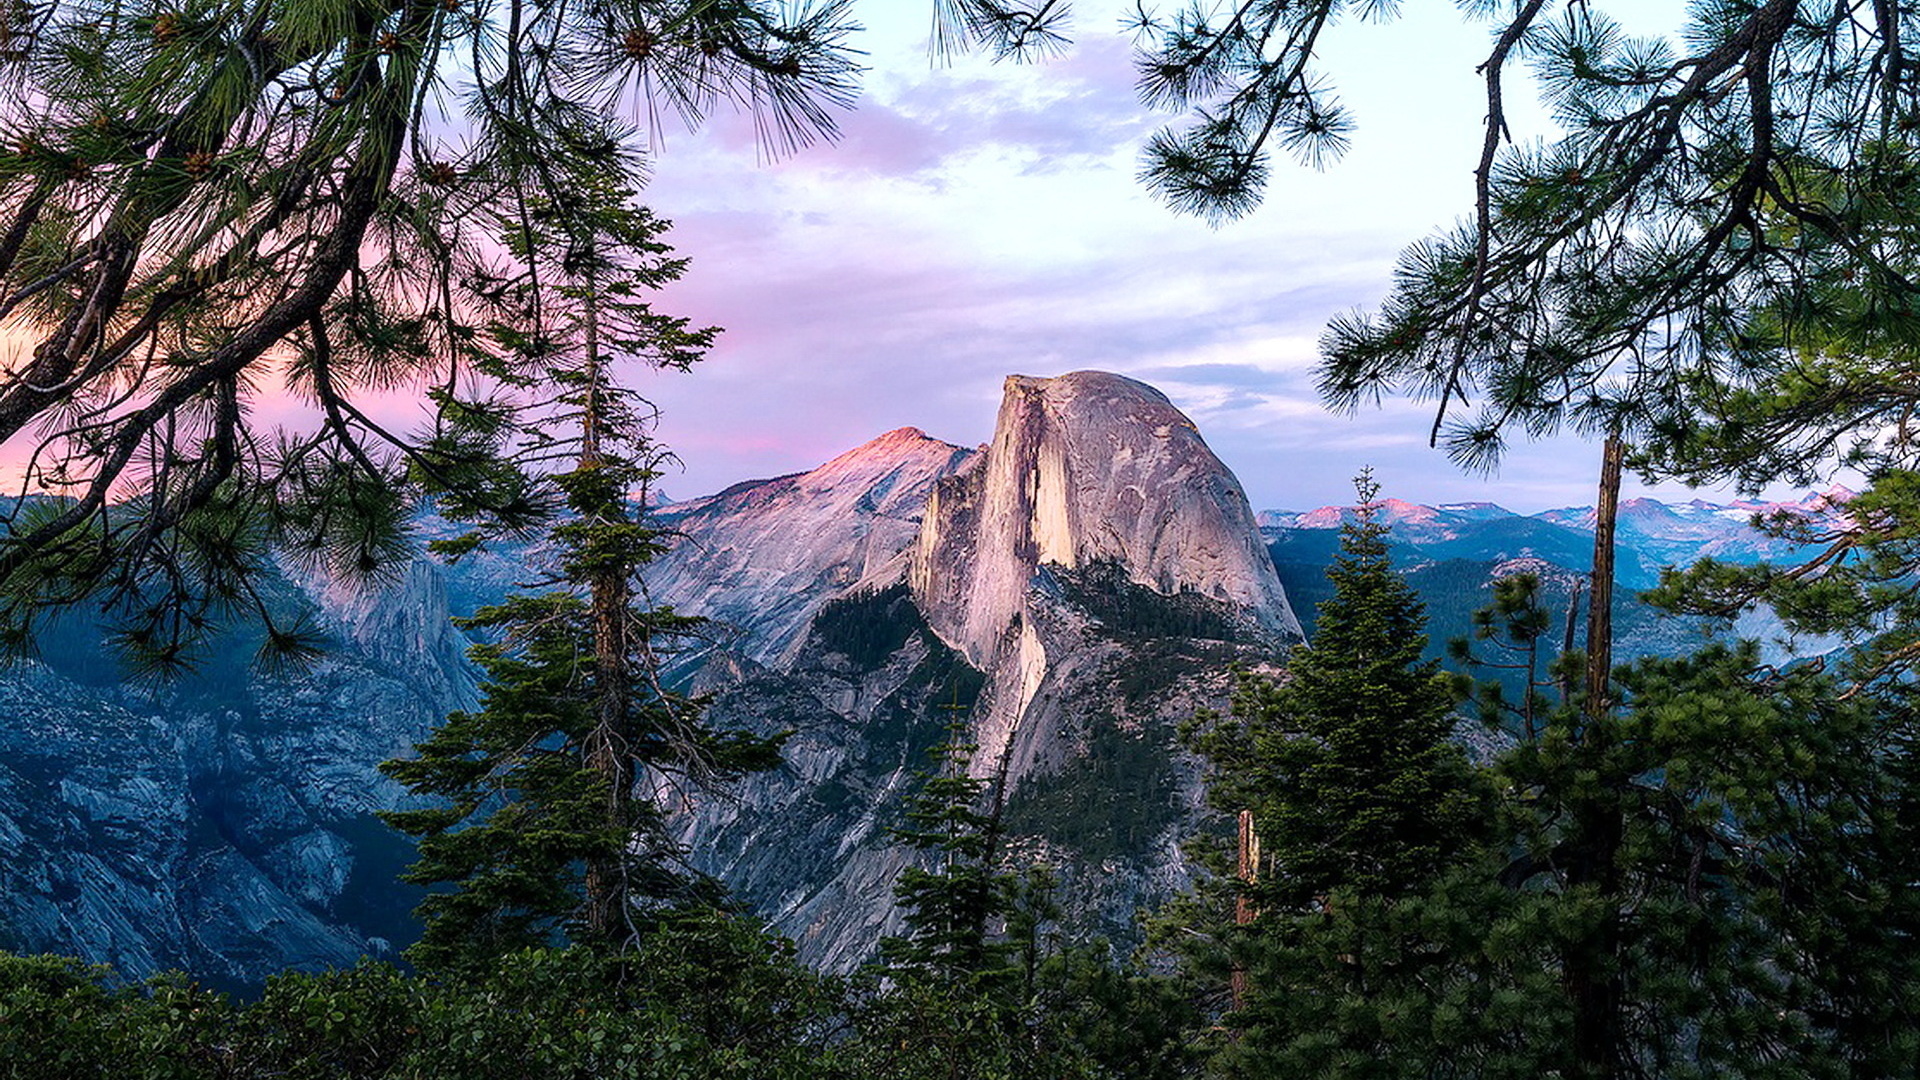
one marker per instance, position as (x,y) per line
(1477,511)
(1413,520)
(1661,532)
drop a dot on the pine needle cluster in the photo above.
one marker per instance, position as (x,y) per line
(207,204)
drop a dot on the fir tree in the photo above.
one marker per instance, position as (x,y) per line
(952,909)
(541,832)
(1341,926)
(1346,761)
(965,978)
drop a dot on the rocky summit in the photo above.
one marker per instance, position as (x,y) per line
(1068,592)
(1084,470)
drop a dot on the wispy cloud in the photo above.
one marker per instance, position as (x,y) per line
(982,220)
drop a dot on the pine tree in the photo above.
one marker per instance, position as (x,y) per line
(1343,926)
(1515,625)
(1713,265)
(951,910)
(1731,209)
(542,832)
(965,991)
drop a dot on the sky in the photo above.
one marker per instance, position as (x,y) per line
(977,220)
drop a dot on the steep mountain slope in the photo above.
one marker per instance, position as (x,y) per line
(223,824)
(761,557)
(1070,592)
(1090,473)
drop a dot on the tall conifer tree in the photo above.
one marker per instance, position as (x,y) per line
(542,832)
(1346,760)
(951,909)
(200,201)
(1363,809)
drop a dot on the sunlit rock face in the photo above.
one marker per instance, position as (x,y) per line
(1088,468)
(761,557)
(1069,592)
(1086,472)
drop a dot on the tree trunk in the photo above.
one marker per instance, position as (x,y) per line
(1567,640)
(1243,911)
(1591,969)
(1600,605)
(606,751)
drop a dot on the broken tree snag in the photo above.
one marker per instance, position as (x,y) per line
(1600,605)
(1243,909)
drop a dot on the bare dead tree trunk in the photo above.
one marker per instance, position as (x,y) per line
(1243,909)
(1591,971)
(1569,637)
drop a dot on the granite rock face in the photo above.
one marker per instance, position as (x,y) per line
(224,824)
(1089,468)
(1088,473)
(1070,593)
(762,557)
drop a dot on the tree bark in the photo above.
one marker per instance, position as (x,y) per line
(1594,984)
(1600,605)
(608,755)
(1574,594)
(1243,910)
(606,751)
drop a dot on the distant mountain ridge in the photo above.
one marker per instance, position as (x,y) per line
(1650,533)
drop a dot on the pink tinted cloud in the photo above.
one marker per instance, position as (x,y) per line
(824,352)
(884,142)
(911,128)
(1080,106)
